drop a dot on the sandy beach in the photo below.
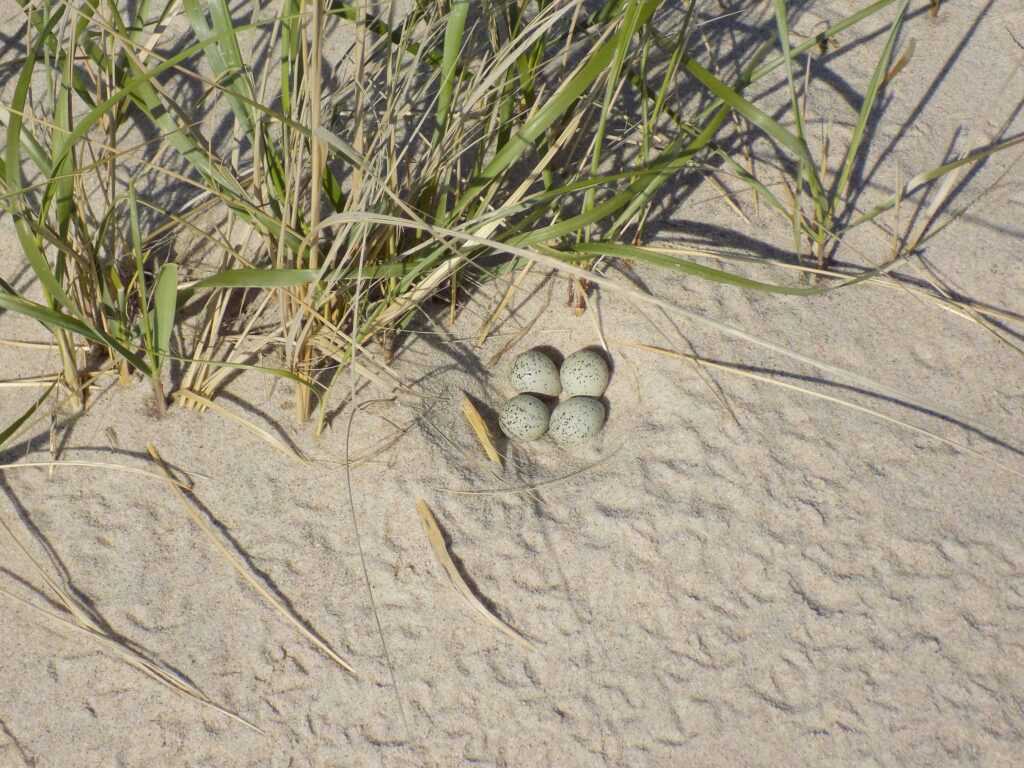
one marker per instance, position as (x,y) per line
(735,572)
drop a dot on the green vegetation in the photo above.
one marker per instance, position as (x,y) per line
(324,204)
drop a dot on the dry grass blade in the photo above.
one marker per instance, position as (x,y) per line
(84,623)
(41,345)
(150,668)
(483,434)
(31,381)
(192,398)
(372,453)
(532,487)
(489,323)
(739,371)
(237,564)
(518,335)
(90,465)
(436,540)
(547,257)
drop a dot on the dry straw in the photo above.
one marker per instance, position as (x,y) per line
(456,146)
(436,539)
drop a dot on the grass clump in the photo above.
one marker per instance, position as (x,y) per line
(207,186)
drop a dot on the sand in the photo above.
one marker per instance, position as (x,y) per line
(785,581)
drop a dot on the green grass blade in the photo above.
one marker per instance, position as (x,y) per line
(808,44)
(732,99)
(33,150)
(808,166)
(453,33)
(870,97)
(626,202)
(62,181)
(36,258)
(148,323)
(224,56)
(10,431)
(691,142)
(291,62)
(52,318)
(560,102)
(787,55)
(612,83)
(165,299)
(922,179)
(823,36)
(666,261)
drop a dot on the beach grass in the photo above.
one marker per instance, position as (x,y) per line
(217,188)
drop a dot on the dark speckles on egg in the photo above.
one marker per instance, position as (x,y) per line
(534,371)
(576,420)
(584,373)
(524,418)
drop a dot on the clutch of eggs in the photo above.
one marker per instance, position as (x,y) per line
(583,377)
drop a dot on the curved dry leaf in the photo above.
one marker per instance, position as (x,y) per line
(436,540)
(483,434)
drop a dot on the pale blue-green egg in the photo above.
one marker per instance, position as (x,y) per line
(576,420)
(524,418)
(584,373)
(534,372)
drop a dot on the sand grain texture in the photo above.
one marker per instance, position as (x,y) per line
(803,585)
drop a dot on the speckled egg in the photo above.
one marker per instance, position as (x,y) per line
(584,373)
(576,420)
(524,418)
(534,372)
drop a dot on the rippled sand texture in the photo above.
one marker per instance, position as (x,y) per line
(794,583)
